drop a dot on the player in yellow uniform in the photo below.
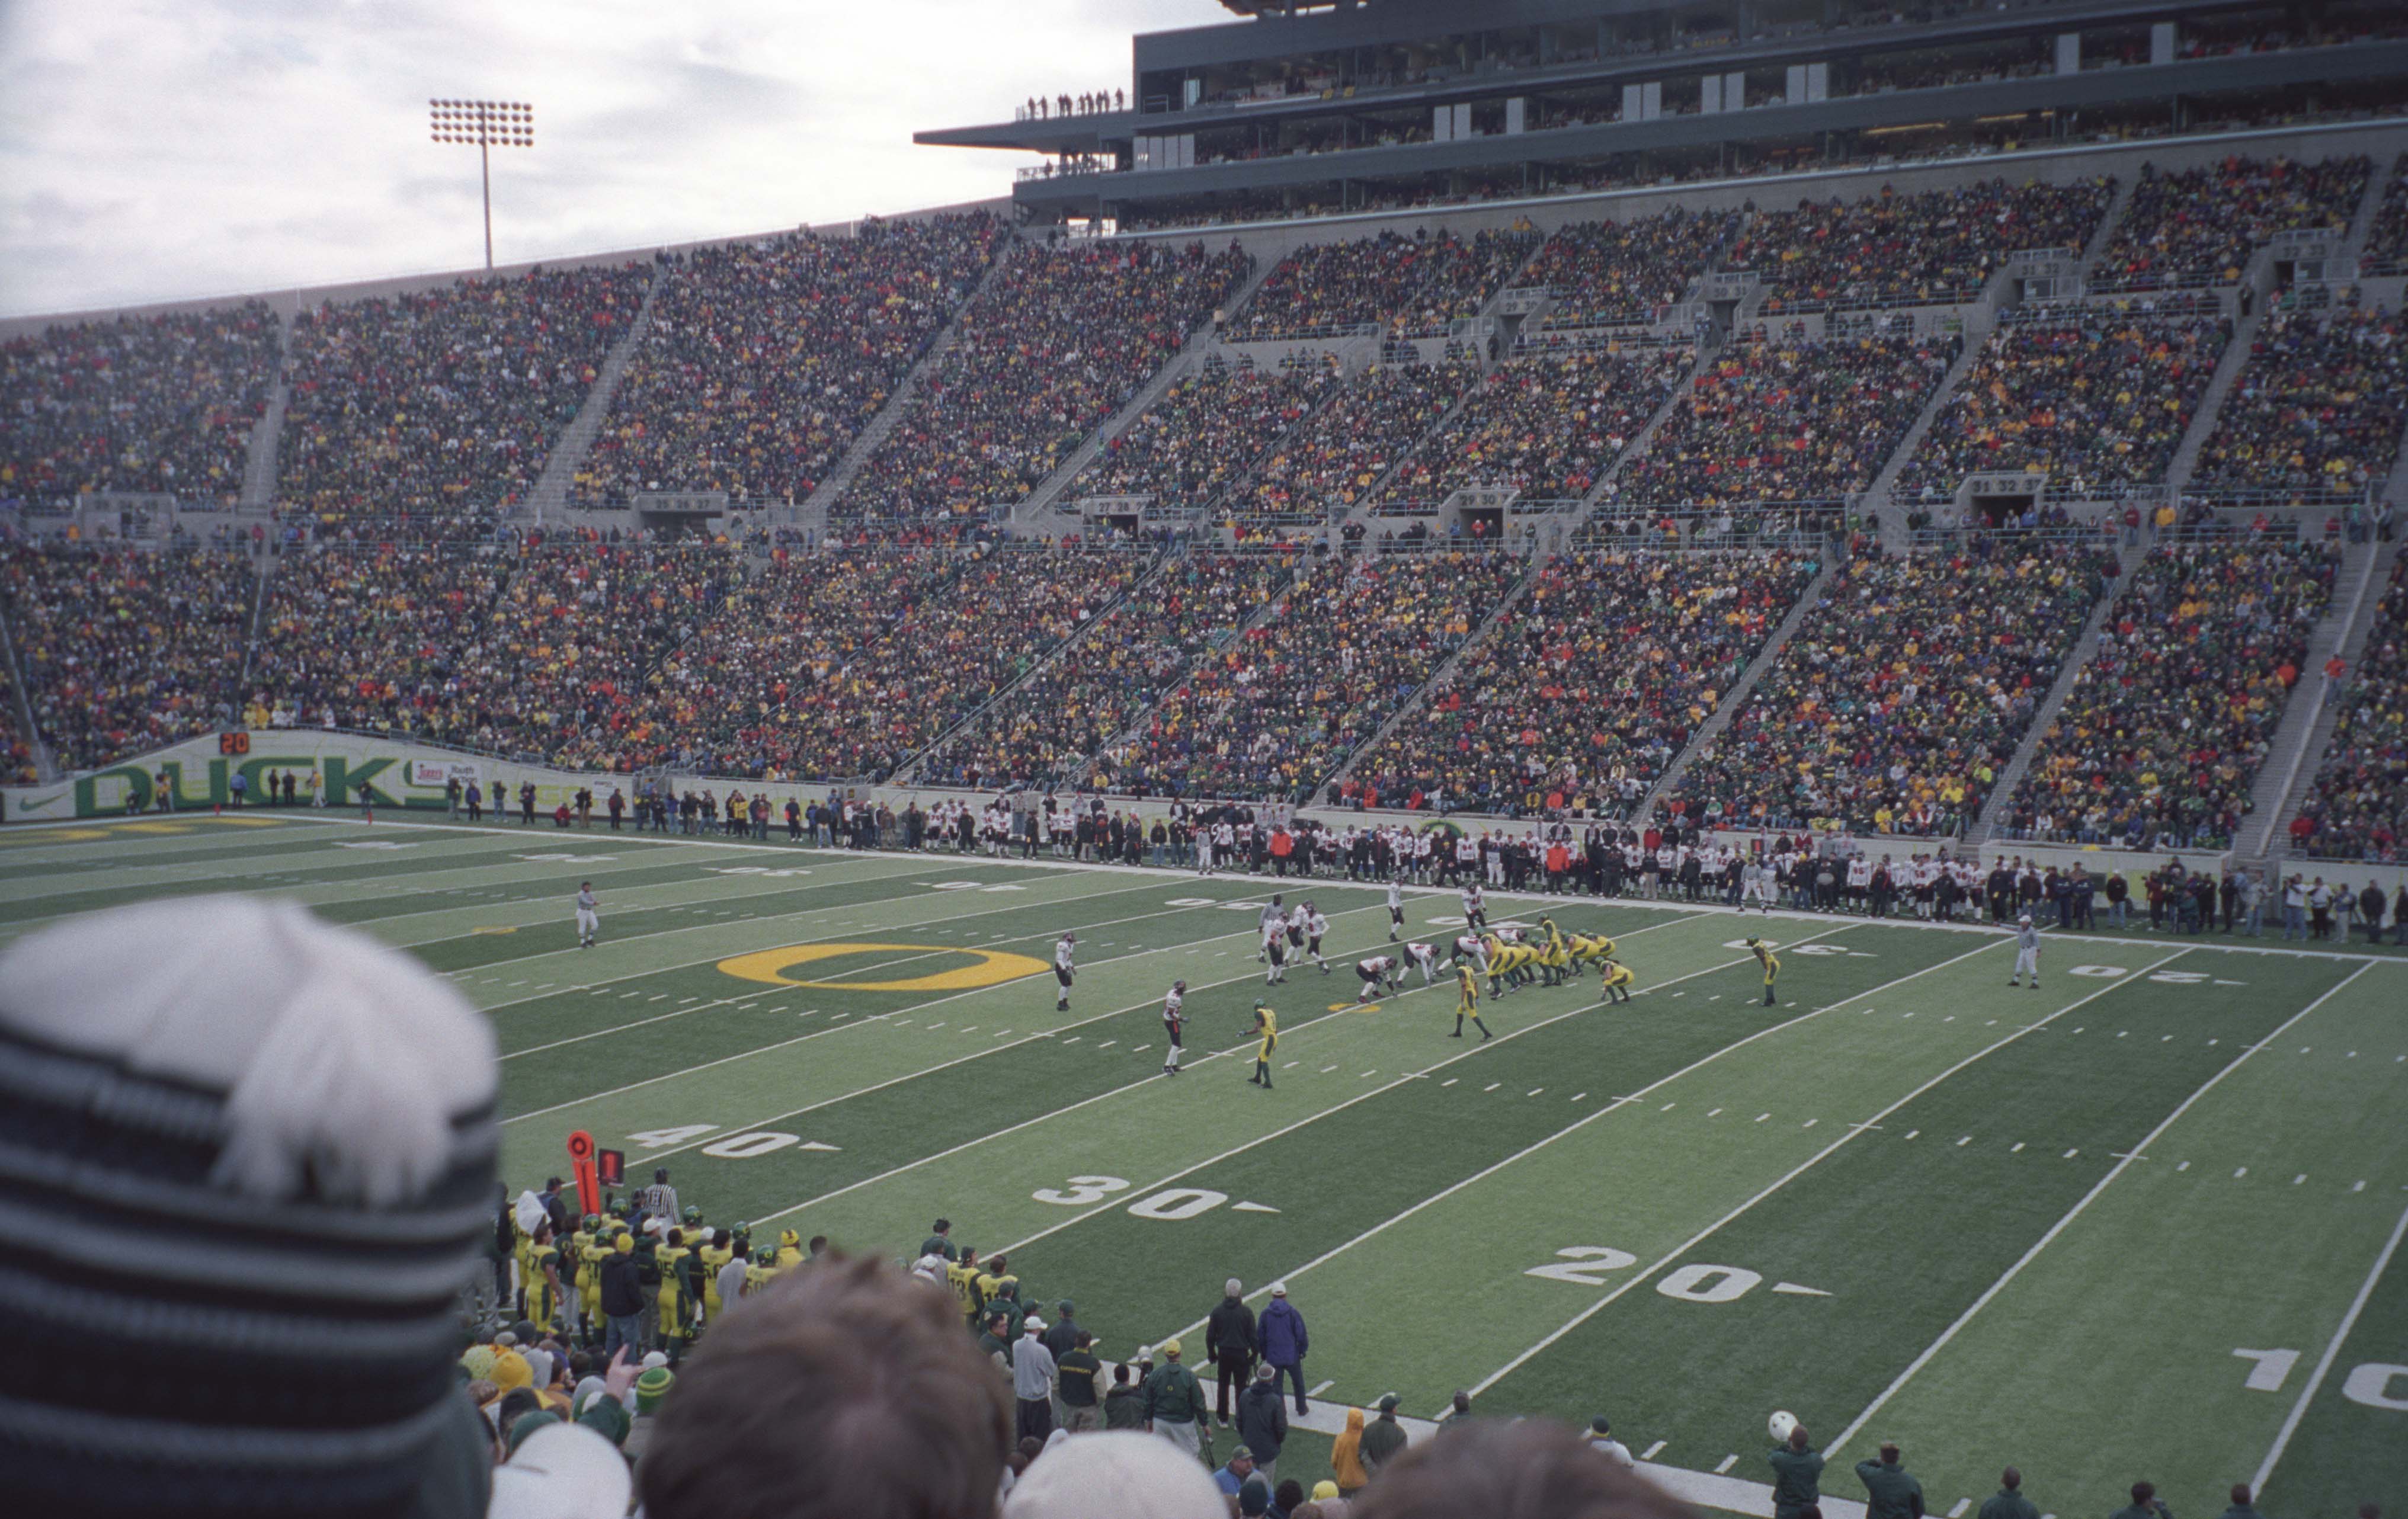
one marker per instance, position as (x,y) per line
(715,1256)
(1267,1025)
(580,1266)
(545,1295)
(676,1298)
(1555,956)
(1764,957)
(1617,982)
(963,1277)
(1467,1002)
(790,1249)
(1591,949)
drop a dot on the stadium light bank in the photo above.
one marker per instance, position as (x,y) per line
(484,124)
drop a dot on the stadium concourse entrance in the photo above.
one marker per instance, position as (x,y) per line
(673,514)
(1477,512)
(2002,498)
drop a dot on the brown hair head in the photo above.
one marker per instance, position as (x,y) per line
(1530,1469)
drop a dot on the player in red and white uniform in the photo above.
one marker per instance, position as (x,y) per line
(1314,926)
(1379,975)
(1424,958)
(1063,969)
(1475,907)
(1473,948)
(1174,1023)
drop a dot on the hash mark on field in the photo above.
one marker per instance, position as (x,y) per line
(2358,1186)
(1371,1074)
(1958,1511)
(1001,1033)
(1668,1107)
(518,983)
(1728,1462)
(1649,1455)
(1323,1389)
(1716,1114)
(663,997)
(938,1023)
(1142,1048)
(2240,1172)
(1291,1065)
(684,1001)
(2070,1153)
(1450,1081)
(969,1029)
(1809,1122)
(1577,1095)
(1761,1117)
(2183,1166)
(623,995)
(2018,1148)
(1492,1086)
(1327,1069)
(1534,1091)
(1106,1045)
(2297,1180)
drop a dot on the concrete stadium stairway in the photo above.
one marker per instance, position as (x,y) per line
(549,500)
(1808,599)
(1892,525)
(2077,659)
(259,461)
(1640,439)
(2309,717)
(2227,370)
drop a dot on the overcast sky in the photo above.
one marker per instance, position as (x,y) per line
(155,149)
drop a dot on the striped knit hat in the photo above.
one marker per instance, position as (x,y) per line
(247,1162)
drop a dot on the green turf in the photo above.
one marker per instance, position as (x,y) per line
(1596,1211)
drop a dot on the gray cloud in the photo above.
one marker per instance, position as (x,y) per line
(155,149)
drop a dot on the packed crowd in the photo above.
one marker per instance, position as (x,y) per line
(441,406)
(370,637)
(152,404)
(1547,427)
(1902,694)
(1336,287)
(1207,430)
(2164,730)
(1049,729)
(2386,248)
(1275,712)
(2319,406)
(2358,809)
(122,652)
(1057,342)
(1463,276)
(1786,420)
(2098,402)
(1586,687)
(16,745)
(1932,248)
(2198,226)
(1602,273)
(763,360)
(1332,462)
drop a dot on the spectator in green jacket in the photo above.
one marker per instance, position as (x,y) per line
(1383,1439)
(1125,1405)
(1797,1476)
(2240,1507)
(2009,1503)
(1890,1493)
(2144,1504)
(1174,1403)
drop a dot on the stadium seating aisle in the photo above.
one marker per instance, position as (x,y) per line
(124,651)
(1930,247)
(1044,732)
(2165,729)
(1786,420)
(2200,226)
(2096,400)
(1605,273)
(1205,432)
(1463,277)
(763,360)
(1897,701)
(159,403)
(1331,463)
(1273,714)
(439,406)
(2319,406)
(1546,426)
(2358,806)
(1586,688)
(1063,339)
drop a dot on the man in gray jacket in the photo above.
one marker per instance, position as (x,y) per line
(1032,1380)
(1262,1421)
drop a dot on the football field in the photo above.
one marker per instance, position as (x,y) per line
(2145,1222)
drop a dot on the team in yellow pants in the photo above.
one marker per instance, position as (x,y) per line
(1467,1002)
(1266,1025)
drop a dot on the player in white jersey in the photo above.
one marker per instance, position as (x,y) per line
(1063,969)
(1424,957)
(1174,1023)
(1379,975)
(2027,953)
(1299,923)
(1473,948)
(1475,907)
(1755,882)
(589,917)
(1395,908)
(1274,927)
(1860,878)
(1314,926)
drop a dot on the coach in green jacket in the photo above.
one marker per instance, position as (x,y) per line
(1889,1492)
(2009,1503)
(1797,1476)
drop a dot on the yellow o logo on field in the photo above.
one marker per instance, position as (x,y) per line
(993,967)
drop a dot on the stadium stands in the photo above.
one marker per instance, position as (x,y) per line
(427,414)
(1605,273)
(1586,689)
(2358,806)
(1419,283)
(1331,463)
(2164,730)
(1203,434)
(1902,696)
(1545,426)
(763,360)
(2096,399)
(152,404)
(1464,275)
(1061,339)
(1044,732)
(2386,251)
(2318,407)
(1274,713)
(1786,422)
(2198,226)
(1930,247)
(124,650)
(371,637)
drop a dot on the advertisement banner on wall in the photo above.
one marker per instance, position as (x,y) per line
(439,773)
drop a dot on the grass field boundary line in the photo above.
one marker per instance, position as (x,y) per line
(168,851)
(1795,1172)
(1423,1074)
(1533,1148)
(1117,1091)
(724,955)
(770,888)
(904,960)
(2129,1155)
(1494,894)
(2325,1362)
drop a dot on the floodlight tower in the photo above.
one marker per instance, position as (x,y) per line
(486,125)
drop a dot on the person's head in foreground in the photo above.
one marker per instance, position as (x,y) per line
(846,1390)
(1526,1469)
(1119,1475)
(256,1167)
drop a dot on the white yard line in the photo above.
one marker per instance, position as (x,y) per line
(2059,1228)
(1809,1163)
(2332,1348)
